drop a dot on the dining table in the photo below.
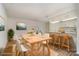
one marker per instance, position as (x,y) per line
(35,39)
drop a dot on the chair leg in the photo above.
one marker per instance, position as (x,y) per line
(17,53)
(24,53)
(43,50)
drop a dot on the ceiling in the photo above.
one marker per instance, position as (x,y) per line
(36,11)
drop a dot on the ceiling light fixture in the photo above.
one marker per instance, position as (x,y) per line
(69,19)
(55,21)
(63,20)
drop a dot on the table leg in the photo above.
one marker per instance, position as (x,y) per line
(32,49)
(68,46)
(38,49)
(48,48)
(43,50)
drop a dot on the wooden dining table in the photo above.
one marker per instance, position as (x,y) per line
(32,40)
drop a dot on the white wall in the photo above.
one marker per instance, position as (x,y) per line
(70,13)
(3,34)
(54,27)
(29,23)
(77,25)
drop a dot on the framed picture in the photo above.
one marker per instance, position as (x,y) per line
(20,26)
(1,27)
(2,24)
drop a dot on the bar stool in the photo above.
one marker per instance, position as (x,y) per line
(65,41)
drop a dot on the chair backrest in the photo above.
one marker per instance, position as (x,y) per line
(66,38)
(16,37)
(18,44)
(56,36)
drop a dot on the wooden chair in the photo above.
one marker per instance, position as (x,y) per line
(45,44)
(56,39)
(65,41)
(52,38)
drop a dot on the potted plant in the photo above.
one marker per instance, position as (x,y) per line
(10,34)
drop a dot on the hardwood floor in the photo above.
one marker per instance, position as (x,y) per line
(8,51)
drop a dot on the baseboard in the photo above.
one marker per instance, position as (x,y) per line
(1,50)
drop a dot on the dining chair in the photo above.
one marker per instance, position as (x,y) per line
(56,39)
(65,41)
(52,39)
(20,48)
(45,44)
